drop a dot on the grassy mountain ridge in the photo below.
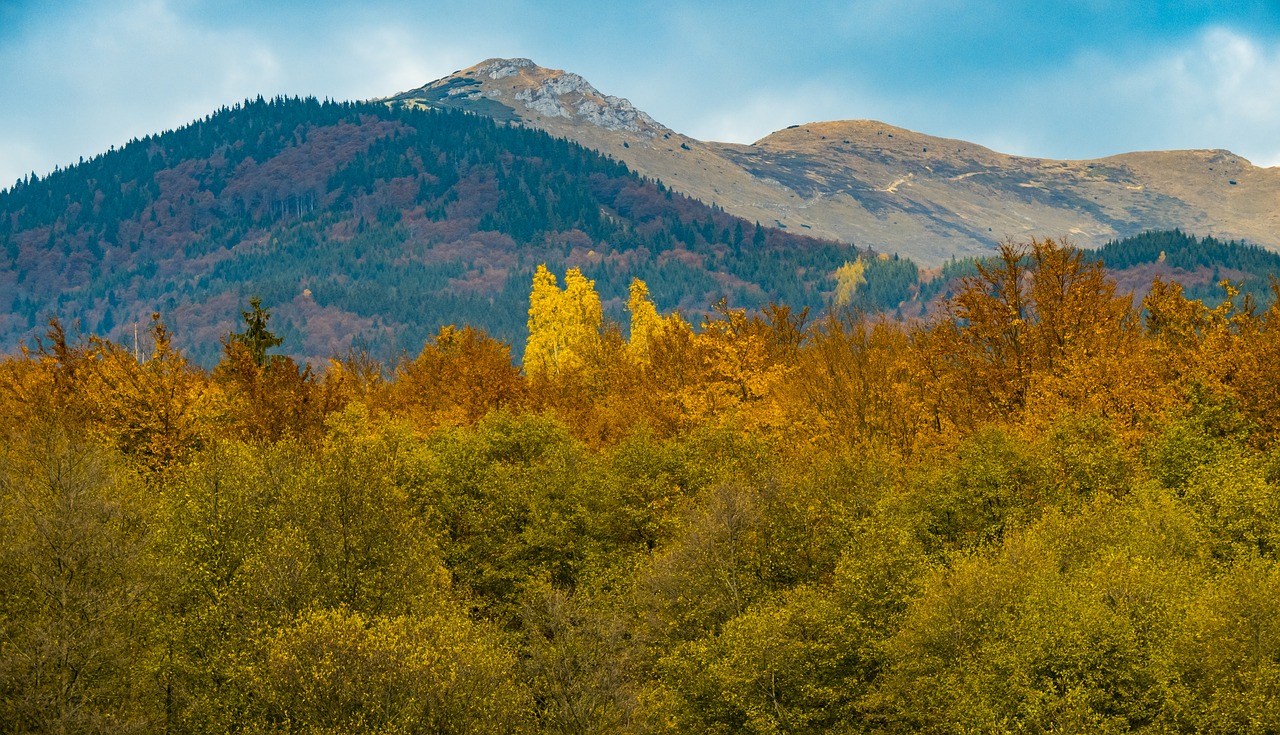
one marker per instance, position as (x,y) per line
(894,190)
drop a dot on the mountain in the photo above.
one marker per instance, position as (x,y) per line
(368,226)
(883,187)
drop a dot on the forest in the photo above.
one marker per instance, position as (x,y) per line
(1047,507)
(367,227)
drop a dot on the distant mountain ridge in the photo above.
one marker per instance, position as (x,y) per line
(884,187)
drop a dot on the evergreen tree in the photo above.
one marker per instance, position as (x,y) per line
(256,338)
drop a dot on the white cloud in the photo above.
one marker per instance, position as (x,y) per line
(1227,88)
(101,73)
(379,61)
(120,71)
(116,73)
(1220,89)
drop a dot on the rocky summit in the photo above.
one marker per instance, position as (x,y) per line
(527,91)
(884,187)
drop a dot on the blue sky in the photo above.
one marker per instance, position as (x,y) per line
(1066,79)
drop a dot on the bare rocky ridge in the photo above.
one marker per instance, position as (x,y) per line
(876,185)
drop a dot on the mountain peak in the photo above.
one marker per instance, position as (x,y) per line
(519,89)
(501,68)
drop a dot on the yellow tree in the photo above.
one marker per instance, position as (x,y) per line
(564,325)
(645,321)
(1086,353)
(854,381)
(849,277)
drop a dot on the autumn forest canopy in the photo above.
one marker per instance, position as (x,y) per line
(1048,506)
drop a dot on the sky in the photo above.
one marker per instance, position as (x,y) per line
(1067,79)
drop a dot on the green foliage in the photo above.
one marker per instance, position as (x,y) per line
(256,338)
(1065,626)
(1182,250)
(339,671)
(512,499)
(1211,425)
(1228,678)
(1089,458)
(73,620)
(992,483)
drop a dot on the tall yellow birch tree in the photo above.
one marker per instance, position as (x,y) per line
(645,321)
(564,325)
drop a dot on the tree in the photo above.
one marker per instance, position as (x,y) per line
(73,538)
(992,312)
(256,337)
(1035,315)
(644,320)
(849,277)
(340,671)
(459,376)
(150,410)
(270,396)
(564,325)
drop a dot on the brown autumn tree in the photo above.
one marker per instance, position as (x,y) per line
(459,377)
(268,397)
(156,409)
(1037,325)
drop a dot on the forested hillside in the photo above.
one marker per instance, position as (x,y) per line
(1048,509)
(1199,264)
(365,226)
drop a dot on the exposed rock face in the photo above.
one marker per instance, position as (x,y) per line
(503,68)
(538,92)
(876,185)
(570,95)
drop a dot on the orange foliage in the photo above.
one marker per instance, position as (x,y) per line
(274,400)
(154,409)
(461,375)
(1039,333)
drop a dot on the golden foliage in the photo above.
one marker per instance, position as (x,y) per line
(849,278)
(1039,510)
(564,325)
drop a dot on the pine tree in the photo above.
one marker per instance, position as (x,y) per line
(256,337)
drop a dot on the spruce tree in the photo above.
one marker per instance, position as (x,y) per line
(256,337)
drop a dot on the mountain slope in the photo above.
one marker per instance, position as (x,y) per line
(884,187)
(362,225)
